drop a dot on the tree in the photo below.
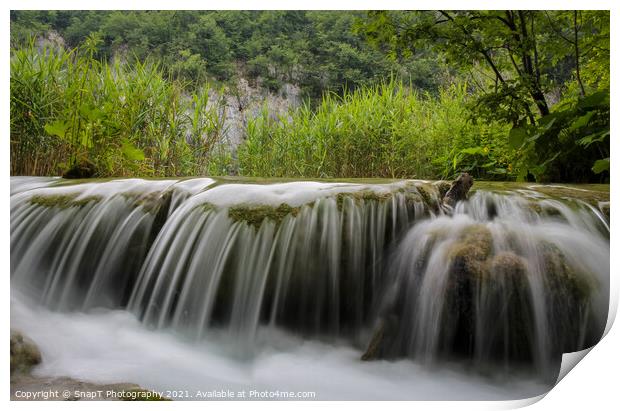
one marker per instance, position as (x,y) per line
(519,52)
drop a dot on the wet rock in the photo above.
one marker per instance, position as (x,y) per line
(475,242)
(373,351)
(255,215)
(430,196)
(605,208)
(28,387)
(362,196)
(382,339)
(24,353)
(509,266)
(468,271)
(443,187)
(63,201)
(458,190)
(506,308)
(568,292)
(24,386)
(561,278)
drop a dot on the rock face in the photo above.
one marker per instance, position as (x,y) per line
(245,102)
(458,190)
(24,353)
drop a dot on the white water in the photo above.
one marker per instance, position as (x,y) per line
(113,346)
(177,295)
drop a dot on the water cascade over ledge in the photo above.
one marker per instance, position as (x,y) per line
(511,279)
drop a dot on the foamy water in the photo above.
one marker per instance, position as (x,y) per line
(113,346)
(183,286)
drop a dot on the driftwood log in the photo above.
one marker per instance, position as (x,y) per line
(458,190)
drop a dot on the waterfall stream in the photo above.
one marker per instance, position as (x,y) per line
(504,284)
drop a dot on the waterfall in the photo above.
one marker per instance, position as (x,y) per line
(503,280)
(510,278)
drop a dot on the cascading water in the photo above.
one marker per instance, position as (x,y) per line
(508,280)
(505,280)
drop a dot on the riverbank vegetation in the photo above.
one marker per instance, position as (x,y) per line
(504,95)
(68,108)
(389,130)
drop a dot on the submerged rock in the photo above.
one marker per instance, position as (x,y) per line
(24,353)
(374,346)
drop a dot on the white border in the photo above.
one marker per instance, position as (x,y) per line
(592,384)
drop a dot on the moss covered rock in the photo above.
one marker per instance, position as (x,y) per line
(509,266)
(255,215)
(24,353)
(63,200)
(363,195)
(477,240)
(468,270)
(508,310)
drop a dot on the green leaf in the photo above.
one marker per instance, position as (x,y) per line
(582,121)
(593,138)
(57,128)
(473,150)
(594,100)
(131,152)
(601,165)
(516,137)
(91,113)
(547,121)
(522,174)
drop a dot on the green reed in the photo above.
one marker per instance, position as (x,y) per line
(67,108)
(387,130)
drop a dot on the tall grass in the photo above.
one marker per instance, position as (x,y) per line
(67,108)
(388,130)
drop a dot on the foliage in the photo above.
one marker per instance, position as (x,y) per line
(569,144)
(527,57)
(501,94)
(387,130)
(314,49)
(68,107)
